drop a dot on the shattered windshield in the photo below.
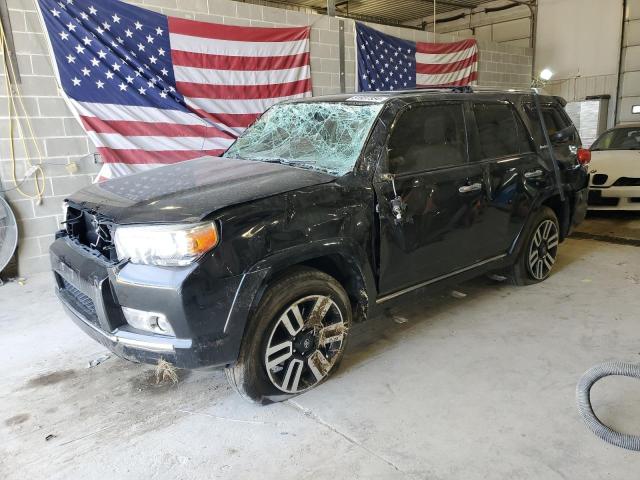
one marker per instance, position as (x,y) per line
(321,135)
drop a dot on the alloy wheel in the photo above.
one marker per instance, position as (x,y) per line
(305,343)
(543,250)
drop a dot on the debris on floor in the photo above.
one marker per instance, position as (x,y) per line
(497,278)
(51,436)
(97,361)
(166,372)
(458,294)
(399,320)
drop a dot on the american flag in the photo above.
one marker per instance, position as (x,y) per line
(151,89)
(386,62)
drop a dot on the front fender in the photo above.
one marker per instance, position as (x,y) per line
(352,255)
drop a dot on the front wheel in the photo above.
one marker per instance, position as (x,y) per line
(295,338)
(538,256)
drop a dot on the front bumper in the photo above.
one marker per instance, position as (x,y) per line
(614,198)
(207,314)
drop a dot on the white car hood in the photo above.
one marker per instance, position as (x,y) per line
(615,164)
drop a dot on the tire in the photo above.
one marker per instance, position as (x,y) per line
(295,338)
(539,253)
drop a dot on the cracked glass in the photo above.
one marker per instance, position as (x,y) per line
(322,136)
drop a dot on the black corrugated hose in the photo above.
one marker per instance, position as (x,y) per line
(583,398)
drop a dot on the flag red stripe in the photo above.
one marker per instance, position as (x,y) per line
(144,156)
(434,68)
(224,62)
(233,120)
(423,47)
(201,90)
(458,83)
(131,128)
(231,32)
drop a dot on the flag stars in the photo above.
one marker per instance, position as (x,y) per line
(95,62)
(71,27)
(116,67)
(76,81)
(129,79)
(100,84)
(138,25)
(102,54)
(79,49)
(153,59)
(150,39)
(86,72)
(161,52)
(106,25)
(109,74)
(123,87)
(64,35)
(71,59)
(115,18)
(164,72)
(84,16)
(86,40)
(128,33)
(92,10)
(141,47)
(163,94)
(142,91)
(159,31)
(55,13)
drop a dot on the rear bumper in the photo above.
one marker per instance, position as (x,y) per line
(207,314)
(579,210)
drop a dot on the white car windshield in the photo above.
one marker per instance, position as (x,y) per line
(324,136)
(619,139)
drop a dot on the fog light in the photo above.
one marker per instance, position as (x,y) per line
(148,321)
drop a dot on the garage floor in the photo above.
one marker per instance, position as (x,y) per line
(474,387)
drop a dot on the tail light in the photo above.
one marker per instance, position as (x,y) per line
(584,156)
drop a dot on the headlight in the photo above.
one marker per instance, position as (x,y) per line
(165,245)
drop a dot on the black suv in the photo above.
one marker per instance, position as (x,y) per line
(317,215)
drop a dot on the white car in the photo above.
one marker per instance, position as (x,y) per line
(615,169)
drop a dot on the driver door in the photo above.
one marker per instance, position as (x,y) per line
(442,195)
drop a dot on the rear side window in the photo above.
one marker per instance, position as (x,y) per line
(554,119)
(500,131)
(427,137)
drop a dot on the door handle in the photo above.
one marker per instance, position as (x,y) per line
(474,187)
(533,174)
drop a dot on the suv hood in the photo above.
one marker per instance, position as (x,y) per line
(189,191)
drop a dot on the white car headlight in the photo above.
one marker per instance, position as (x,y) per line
(165,245)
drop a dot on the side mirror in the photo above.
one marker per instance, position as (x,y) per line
(563,135)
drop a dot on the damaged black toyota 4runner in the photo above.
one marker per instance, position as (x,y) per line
(317,215)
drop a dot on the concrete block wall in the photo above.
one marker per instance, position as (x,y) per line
(62,141)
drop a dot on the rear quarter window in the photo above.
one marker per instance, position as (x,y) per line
(500,131)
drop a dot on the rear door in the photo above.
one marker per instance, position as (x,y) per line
(442,195)
(516,173)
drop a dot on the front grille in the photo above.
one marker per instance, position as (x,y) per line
(627,182)
(91,230)
(600,179)
(597,200)
(79,301)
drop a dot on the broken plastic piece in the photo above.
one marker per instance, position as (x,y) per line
(97,361)
(457,294)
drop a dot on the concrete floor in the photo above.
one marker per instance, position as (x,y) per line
(471,388)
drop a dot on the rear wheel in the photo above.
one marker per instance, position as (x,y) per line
(295,339)
(540,251)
